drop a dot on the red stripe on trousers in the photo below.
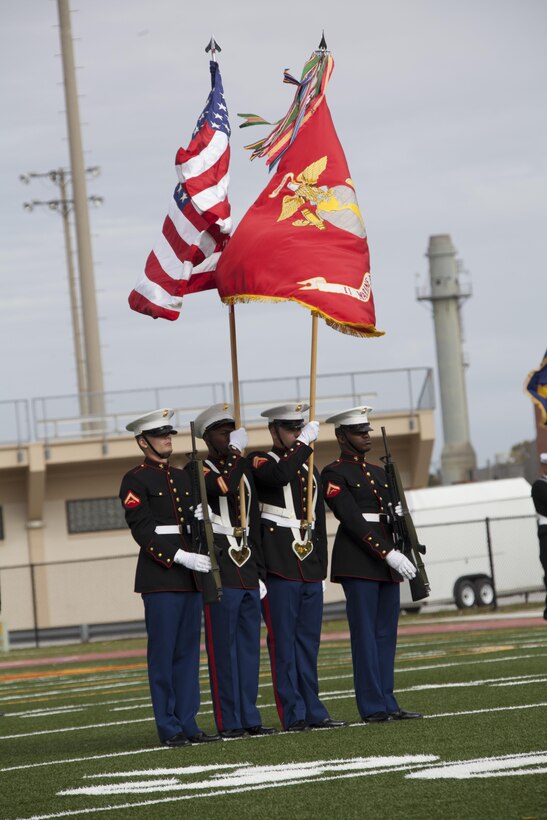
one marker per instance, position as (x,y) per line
(271,639)
(212,667)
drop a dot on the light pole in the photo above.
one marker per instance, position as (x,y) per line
(90,323)
(64,205)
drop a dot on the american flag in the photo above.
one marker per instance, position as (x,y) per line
(198,224)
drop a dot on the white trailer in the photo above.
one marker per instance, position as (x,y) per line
(476,533)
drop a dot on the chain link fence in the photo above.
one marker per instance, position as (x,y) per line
(470,564)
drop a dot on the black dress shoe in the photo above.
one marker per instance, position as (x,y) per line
(229,734)
(260,730)
(298,726)
(377,717)
(180,739)
(402,714)
(201,737)
(328,723)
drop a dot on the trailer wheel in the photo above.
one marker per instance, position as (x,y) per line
(465,593)
(484,589)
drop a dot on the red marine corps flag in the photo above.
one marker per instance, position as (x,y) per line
(197,226)
(304,238)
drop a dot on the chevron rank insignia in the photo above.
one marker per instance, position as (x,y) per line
(258,462)
(332,489)
(131,500)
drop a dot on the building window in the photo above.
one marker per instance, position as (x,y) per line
(95,515)
(1,524)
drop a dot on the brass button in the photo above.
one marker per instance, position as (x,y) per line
(160,554)
(168,559)
(383,552)
(272,529)
(179,509)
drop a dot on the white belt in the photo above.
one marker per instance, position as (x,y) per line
(220,529)
(292,523)
(542,520)
(167,529)
(377,519)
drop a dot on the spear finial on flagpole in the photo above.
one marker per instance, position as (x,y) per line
(323,44)
(212,46)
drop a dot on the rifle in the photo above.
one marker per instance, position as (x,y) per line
(202,531)
(403,527)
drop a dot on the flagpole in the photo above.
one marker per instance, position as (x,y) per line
(321,50)
(213,47)
(313,381)
(237,416)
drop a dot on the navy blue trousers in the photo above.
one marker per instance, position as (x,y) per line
(173,624)
(373,612)
(232,635)
(293,611)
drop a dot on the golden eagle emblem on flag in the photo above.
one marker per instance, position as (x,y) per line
(337,205)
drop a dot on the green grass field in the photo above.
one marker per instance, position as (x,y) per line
(78,739)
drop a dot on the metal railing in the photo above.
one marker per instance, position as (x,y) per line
(15,425)
(49,418)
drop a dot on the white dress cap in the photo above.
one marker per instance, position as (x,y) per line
(154,423)
(286,412)
(213,415)
(351,417)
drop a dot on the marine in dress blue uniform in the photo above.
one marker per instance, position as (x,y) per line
(366,564)
(296,566)
(539,497)
(232,625)
(155,497)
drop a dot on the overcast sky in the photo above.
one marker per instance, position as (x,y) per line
(440,108)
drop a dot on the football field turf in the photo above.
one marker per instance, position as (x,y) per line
(77,737)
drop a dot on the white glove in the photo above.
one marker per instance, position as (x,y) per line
(198,512)
(192,560)
(262,589)
(398,509)
(239,439)
(309,432)
(401,564)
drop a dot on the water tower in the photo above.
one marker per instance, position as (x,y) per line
(446,294)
